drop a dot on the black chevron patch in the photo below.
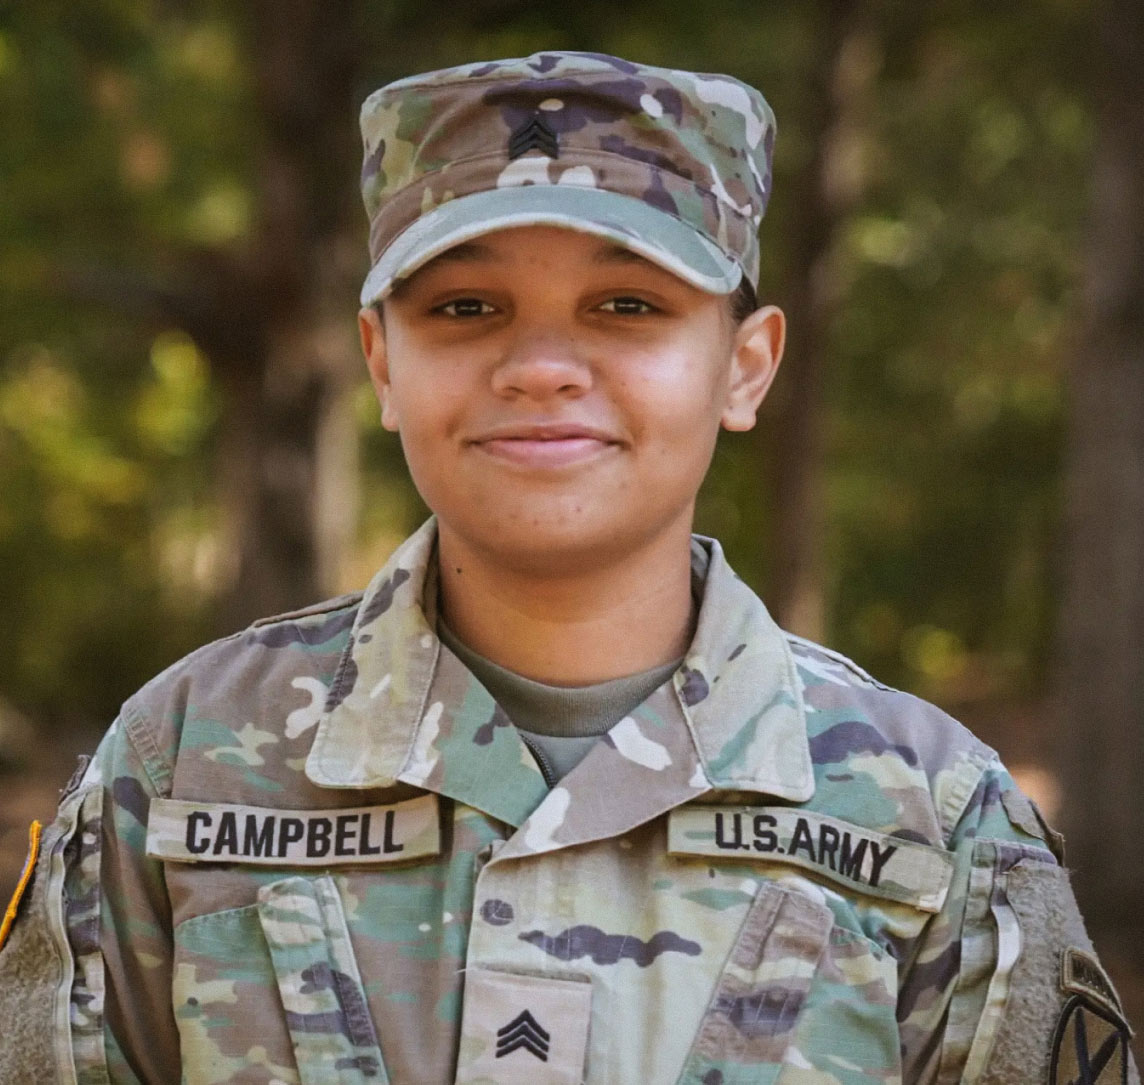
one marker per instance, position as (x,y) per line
(534,135)
(523,1031)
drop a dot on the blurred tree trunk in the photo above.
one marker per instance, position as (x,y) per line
(1102,739)
(280,332)
(837,88)
(287,357)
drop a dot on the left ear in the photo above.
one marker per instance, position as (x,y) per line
(373,346)
(756,352)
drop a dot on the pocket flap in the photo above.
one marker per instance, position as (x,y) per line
(319,982)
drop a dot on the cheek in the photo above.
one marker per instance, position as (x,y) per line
(422,399)
(682,398)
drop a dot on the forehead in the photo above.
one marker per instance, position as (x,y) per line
(504,249)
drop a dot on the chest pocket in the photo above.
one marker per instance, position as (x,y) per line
(797,994)
(294,940)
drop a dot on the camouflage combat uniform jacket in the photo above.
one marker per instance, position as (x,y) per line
(317,851)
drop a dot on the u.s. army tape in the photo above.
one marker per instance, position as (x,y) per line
(873,863)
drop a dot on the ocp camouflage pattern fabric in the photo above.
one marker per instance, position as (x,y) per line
(773,870)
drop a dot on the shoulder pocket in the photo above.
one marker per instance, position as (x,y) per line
(1020,924)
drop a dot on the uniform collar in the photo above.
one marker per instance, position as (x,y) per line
(399,704)
(740,690)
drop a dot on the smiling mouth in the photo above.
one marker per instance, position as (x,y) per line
(545,446)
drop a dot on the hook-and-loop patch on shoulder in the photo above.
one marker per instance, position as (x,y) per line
(876,864)
(185,831)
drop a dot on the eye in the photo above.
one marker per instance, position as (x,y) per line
(465,307)
(628,306)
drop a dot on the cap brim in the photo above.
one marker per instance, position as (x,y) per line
(631,223)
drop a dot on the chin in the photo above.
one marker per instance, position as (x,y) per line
(557,541)
(549,546)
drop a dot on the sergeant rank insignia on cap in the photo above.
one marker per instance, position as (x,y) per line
(534,135)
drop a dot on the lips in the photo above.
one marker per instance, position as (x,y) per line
(549,444)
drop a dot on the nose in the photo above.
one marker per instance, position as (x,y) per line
(540,364)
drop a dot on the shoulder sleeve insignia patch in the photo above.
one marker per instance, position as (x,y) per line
(1090,1046)
(22,885)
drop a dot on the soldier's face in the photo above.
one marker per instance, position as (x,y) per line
(557,397)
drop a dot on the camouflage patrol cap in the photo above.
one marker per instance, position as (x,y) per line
(675,166)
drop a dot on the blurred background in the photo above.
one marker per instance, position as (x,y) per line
(948,479)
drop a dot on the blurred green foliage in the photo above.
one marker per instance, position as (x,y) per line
(129,147)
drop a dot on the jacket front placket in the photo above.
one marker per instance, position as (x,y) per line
(730,720)
(405,710)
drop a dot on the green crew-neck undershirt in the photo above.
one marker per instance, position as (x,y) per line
(561,722)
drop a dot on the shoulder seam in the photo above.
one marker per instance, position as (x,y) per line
(842,660)
(137,733)
(953,809)
(339,602)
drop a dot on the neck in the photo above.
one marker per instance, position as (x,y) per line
(571,629)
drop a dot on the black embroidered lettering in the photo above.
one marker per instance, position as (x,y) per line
(878,859)
(227,833)
(196,818)
(290,831)
(827,845)
(318,837)
(256,841)
(801,840)
(850,858)
(765,838)
(721,840)
(388,844)
(346,834)
(366,848)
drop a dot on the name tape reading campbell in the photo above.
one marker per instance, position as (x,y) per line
(211,832)
(875,863)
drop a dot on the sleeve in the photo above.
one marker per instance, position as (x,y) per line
(85,975)
(1004,984)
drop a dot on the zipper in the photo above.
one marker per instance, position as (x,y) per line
(542,761)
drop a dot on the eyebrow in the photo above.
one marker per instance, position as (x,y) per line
(613,253)
(475,252)
(465,252)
